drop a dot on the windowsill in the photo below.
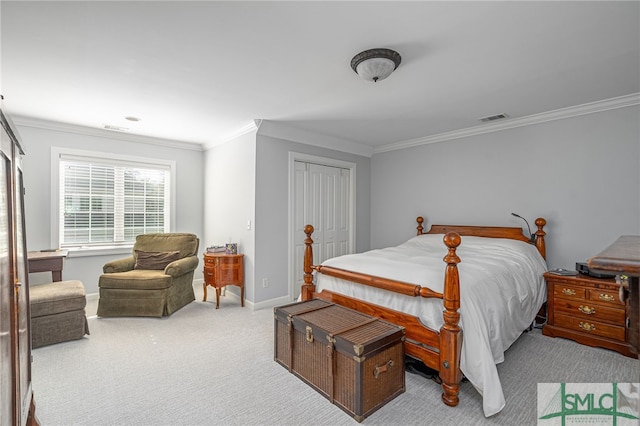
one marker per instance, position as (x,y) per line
(99,251)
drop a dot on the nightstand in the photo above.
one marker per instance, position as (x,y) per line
(221,270)
(587,310)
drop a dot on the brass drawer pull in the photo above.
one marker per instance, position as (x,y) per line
(587,310)
(607,297)
(586,326)
(568,292)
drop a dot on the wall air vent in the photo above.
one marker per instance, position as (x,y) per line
(115,128)
(493,117)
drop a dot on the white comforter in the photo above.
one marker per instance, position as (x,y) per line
(501,290)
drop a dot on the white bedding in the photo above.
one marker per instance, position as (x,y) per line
(501,290)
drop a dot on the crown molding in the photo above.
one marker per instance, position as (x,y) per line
(281,131)
(558,114)
(102,133)
(250,127)
(278,130)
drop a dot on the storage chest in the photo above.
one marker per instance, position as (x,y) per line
(353,359)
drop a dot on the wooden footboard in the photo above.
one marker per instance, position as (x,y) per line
(441,349)
(438,350)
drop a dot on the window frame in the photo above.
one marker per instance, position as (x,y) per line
(127,160)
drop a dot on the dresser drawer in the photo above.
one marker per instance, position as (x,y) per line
(569,291)
(209,275)
(211,261)
(605,297)
(591,327)
(588,311)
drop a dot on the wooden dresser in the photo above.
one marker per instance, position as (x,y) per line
(17,406)
(623,257)
(587,310)
(221,270)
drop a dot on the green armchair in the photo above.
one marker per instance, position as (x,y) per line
(155,281)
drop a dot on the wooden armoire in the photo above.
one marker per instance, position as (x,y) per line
(16,396)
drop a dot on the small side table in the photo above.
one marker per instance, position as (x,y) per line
(587,310)
(220,270)
(45,261)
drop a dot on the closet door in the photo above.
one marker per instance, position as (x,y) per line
(322,198)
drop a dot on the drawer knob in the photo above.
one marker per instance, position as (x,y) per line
(586,326)
(587,310)
(568,292)
(607,297)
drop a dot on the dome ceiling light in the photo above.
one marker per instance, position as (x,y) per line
(375,64)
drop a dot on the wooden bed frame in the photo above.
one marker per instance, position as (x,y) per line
(438,350)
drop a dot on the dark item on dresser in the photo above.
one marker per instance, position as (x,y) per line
(583,268)
(221,270)
(354,360)
(437,349)
(587,310)
(623,257)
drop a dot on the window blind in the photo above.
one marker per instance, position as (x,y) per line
(109,202)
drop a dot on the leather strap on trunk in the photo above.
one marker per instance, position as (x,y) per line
(290,327)
(331,350)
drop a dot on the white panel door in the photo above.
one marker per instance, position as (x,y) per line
(321,198)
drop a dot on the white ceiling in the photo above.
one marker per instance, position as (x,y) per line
(200,71)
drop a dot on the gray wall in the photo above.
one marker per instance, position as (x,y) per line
(272,214)
(37,176)
(582,174)
(229,179)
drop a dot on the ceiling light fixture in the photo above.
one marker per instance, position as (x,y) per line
(131,118)
(375,64)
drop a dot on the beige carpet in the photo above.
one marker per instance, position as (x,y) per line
(203,366)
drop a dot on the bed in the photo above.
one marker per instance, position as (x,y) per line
(500,274)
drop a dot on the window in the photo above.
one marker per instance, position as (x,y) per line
(106,200)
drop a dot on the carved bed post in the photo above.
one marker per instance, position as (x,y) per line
(450,332)
(540,244)
(419,219)
(308,287)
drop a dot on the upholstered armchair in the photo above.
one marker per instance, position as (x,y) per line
(156,280)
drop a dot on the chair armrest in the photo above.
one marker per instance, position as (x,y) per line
(181,266)
(119,265)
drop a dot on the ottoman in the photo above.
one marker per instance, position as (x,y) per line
(57,312)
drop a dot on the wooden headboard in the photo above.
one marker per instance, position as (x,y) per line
(509,232)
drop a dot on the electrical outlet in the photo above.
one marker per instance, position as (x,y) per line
(265,282)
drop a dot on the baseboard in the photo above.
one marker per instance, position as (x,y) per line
(272,303)
(92,299)
(267,304)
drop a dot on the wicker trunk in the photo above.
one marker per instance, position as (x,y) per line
(353,359)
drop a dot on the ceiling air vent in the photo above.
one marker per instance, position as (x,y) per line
(493,117)
(115,128)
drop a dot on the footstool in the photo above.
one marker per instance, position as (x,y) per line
(57,312)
